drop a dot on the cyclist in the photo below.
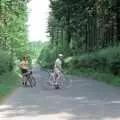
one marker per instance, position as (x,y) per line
(24,67)
(58,67)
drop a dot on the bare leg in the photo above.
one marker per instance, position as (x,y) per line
(58,77)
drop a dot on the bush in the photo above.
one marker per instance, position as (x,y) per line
(6,62)
(49,53)
(47,56)
(8,82)
(106,60)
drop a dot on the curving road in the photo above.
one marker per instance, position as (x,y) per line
(84,99)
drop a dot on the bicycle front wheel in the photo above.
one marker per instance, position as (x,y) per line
(65,82)
(49,82)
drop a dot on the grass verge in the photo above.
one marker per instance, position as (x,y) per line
(105,77)
(8,82)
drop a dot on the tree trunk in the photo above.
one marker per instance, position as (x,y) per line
(118,20)
(68,33)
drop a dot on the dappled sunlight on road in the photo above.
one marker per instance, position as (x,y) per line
(8,113)
(85,110)
(90,101)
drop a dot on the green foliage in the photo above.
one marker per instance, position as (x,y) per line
(84,25)
(8,82)
(47,56)
(107,60)
(49,53)
(34,49)
(13,41)
(13,32)
(6,62)
(85,30)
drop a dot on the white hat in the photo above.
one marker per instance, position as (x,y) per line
(60,55)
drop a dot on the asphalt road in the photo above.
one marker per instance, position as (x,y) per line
(80,99)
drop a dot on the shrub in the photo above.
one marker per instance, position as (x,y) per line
(47,56)
(106,60)
(6,62)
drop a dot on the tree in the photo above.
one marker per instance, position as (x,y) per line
(13,32)
(84,25)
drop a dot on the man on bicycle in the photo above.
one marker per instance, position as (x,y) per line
(58,67)
(24,66)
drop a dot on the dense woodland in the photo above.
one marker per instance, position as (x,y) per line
(84,25)
(13,31)
(87,32)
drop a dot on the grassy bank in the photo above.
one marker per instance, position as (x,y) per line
(8,82)
(91,73)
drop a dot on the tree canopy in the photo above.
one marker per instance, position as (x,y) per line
(13,29)
(84,25)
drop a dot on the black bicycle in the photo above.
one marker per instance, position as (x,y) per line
(29,80)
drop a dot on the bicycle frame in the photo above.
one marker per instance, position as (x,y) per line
(52,80)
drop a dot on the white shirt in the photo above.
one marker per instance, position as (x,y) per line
(24,64)
(58,64)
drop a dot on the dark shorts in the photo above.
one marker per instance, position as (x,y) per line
(24,70)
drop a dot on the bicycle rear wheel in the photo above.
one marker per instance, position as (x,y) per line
(32,81)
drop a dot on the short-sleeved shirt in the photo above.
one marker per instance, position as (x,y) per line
(58,64)
(24,64)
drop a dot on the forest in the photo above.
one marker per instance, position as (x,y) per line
(87,33)
(13,41)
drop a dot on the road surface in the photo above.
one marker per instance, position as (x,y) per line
(84,99)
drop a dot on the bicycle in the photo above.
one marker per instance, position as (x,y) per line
(29,79)
(56,84)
